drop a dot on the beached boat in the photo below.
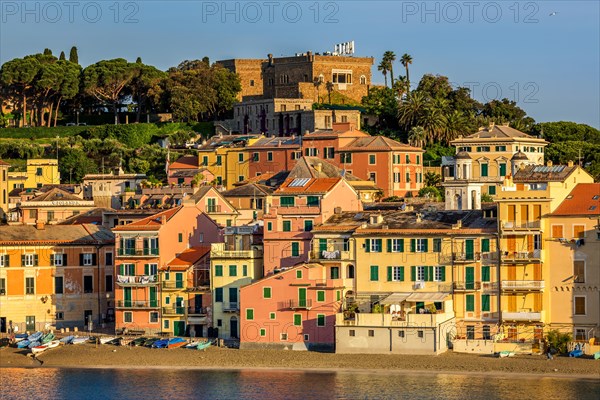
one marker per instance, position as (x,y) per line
(67,339)
(80,340)
(597,355)
(176,342)
(34,337)
(20,336)
(46,346)
(23,343)
(576,353)
(193,345)
(138,342)
(160,344)
(31,345)
(504,354)
(105,340)
(47,338)
(204,345)
(149,342)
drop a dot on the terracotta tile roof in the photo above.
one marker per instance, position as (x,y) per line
(185,162)
(189,257)
(249,190)
(311,185)
(338,130)
(153,222)
(93,216)
(379,143)
(498,132)
(307,167)
(56,194)
(3,163)
(51,234)
(584,199)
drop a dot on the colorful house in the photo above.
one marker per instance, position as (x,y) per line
(144,248)
(293,309)
(39,172)
(212,202)
(184,170)
(249,200)
(236,262)
(51,207)
(59,275)
(274,154)
(298,205)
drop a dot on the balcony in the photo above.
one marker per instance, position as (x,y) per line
(213,208)
(489,286)
(232,306)
(527,286)
(176,285)
(197,311)
(520,225)
(387,320)
(332,254)
(295,304)
(135,304)
(173,310)
(299,210)
(522,315)
(522,256)
(141,252)
(466,286)
(136,280)
(489,256)
(459,258)
(221,251)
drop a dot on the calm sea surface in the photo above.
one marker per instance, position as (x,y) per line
(271,385)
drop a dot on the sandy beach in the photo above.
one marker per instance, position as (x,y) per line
(108,356)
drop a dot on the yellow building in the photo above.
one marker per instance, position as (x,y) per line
(227,158)
(59,275)
(421,277)
(574,277)
(39,172)
(524,205)
(486,155)
(235,263)
(4,189)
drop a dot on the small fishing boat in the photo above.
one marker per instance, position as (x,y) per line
(34,344)
(80,340)
(48,337)
(506,353)
(34,337)
(193,345)
(176,342)
(67,339)
(204,345)
(597,355)
(105,340)
(160,344)
(138,342)
(20,336)
(149,342)
(23,343)
(50,345)
(576,353)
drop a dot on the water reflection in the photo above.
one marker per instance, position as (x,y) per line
(47,383)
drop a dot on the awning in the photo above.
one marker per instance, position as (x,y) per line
(395,298)
(436,296)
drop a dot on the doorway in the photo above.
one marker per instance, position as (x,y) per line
(233,328)
(30,323)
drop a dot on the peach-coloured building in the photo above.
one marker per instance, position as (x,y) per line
(294,308)
(143,248)
(51,207)
(297,206)
(210,201)
(274,154)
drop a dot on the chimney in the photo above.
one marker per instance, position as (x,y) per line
(549,163)
(570,163)
(306,132)
(163,219)
(40,225)
(319,167)
(270,59)
(337,210)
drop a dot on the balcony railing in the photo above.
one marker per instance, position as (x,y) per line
(295,304)
(522,315)
(143,252)
(299,210)
(177,285)
(522,285)
(137,304)
(466,286)
(533,225)
(522,256)
(232,306)
(459,258)
(220,250)
(173,310)
(214,208)
(489,256)
(197,310)
(137,280)
(331,254)
(489,286)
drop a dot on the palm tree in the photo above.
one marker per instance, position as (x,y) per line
(456,124)
(433,121)
(417,136)
(389,57)
(406,60)
(329,87)
(411,110)
(383,67)
(400,86)
(317,82)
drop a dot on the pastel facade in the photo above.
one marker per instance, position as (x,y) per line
(291,309)
(51,207)
(212,202)
(274,154)
(59,275)
(143,248)
(39,172)
(106,189)
(250,201)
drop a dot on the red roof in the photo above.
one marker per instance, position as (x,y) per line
(185,162)
(307,185)
(188,258)
(584,199)
(3,163)
(153,222)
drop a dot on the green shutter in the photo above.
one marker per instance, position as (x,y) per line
(402,274)
(121,269)
(470,302)
(442,273)
(367,246)
(437,245)
(485,245)
(374,272)
(389,274)
(389,245)
(485,273)
(426,247)
(379,243)
(297,319)
(485,302)
(401,245)
(146,269)
(320,295)
(413,245)
(249,314)
(413,273)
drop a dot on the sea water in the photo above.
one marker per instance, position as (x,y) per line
(89,384)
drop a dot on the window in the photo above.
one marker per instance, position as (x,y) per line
(579,305)
(371,333)
(50,216)
(308,225)
(421,274)
(29,286)
(486,333)
(401,334)
(397,273)
(485,273)
(346,158)
(283,336)
(88,284)
(502,169)
(266,293)
(363,80)
(57,259)
(397,177)
(312,200)
(128,317)
(58,285)
(371,159)
(335,273)
(108,258)
(578,231)
(437,245)
(320,295)
(329,153)
(408,177)
(320,319)
(297,319)
(299,274)
(484,170)
(4,260)
(219,161)
(439,274)
(269,226)
(470,332)
(244,270)
(150,269)
(241,157)
(251,82)
(342,77)
(29,260)
(287,226)
(233,270)
(180,237)
(219,322)
(372,176)
(373,245)
(420,334)
(351,332)
(241,178)
(218,295)
(311,152)
(218,270)
(272,315)
(374,272)
(153,317)
(108,283)
(470,299)
(286,201)
(263,332)
(38,172)
(396,245)
(557,231)
(205,161)
(485,245)
(59,316)
(295,249)
(249,314)
(485,302)
(420,246)
(2,286)
(396,158)
(579,271)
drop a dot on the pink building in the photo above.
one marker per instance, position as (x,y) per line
(297,206)
(143,249)
(293,308)
(273,154)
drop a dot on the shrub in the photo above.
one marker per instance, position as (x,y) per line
(558,340)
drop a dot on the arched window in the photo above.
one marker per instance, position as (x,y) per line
(363,80)
(350,271)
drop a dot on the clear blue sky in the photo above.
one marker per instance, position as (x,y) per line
(550,64)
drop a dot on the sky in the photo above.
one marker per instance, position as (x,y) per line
(543,54)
